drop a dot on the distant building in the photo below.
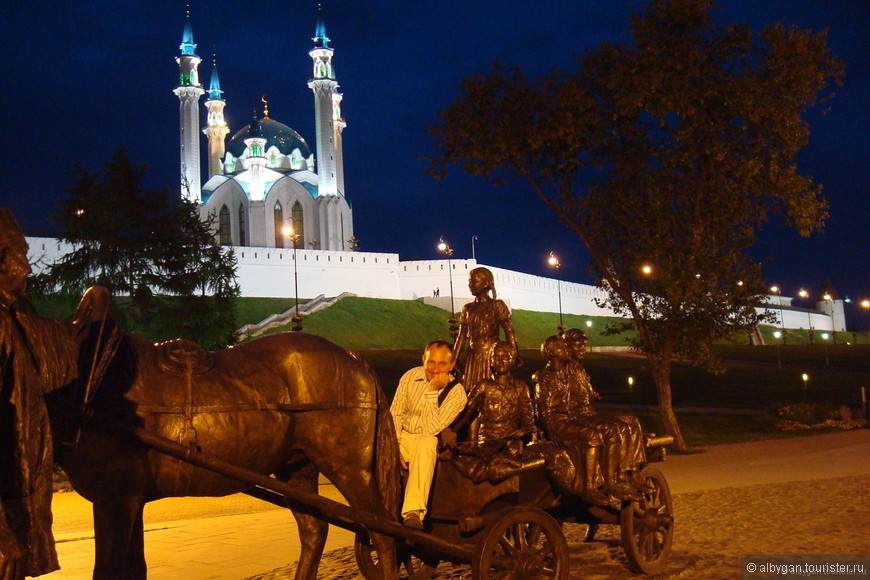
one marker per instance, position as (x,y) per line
(266,177)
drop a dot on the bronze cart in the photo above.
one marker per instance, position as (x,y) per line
(509,528)
(513,528)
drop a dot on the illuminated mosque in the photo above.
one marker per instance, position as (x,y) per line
(266,177)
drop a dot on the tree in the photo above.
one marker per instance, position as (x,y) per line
(665,155)
(146,245)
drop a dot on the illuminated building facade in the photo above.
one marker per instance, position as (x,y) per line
(265,176)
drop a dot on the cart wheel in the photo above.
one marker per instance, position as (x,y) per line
(366,556)
(648,524)
(366,560)
(523,543)
(418,569)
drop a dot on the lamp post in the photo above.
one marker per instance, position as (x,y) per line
(865,304)
(473,255)
(830,300)
(778,292)
(294,238)
(444,247)
(780,334)
(825,337)
(805,295)
(553,261)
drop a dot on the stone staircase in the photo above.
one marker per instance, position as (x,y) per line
(284,318)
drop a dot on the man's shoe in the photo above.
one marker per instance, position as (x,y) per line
(413,521)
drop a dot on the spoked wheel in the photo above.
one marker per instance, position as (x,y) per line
(418,569)
(523,543)
(367,560)
(648,524)
(366,557)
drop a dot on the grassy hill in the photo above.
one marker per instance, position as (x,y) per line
(372,323)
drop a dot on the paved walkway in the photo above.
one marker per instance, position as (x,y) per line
(239,537)
(193,538)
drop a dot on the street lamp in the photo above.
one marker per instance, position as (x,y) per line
(825,337)
(294,238)
(778,291)
(445,248)
(473,255)
(553,261)
(805,295)
(830,299)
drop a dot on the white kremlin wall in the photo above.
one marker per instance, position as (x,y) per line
(269,272)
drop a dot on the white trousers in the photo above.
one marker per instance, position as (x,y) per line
(421,452)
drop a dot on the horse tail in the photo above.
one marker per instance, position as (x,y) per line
(386,456)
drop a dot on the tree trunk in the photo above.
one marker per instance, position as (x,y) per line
(661,371)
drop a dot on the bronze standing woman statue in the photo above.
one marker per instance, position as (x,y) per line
(480,324)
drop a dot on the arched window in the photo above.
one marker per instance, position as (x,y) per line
(298,225)
(279,225)
(243,230)
(225,233)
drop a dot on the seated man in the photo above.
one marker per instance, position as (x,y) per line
(427,400)
(567,418)
(631,451)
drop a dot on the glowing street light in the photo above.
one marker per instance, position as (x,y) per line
(646,269)
(553,261)
(445,248)
(294,238)
(829,298)
(810,331)
(806,379)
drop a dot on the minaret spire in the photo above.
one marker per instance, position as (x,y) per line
(216,126)
(189,90)
(328,120)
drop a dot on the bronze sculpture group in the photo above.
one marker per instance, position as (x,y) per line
(291,405)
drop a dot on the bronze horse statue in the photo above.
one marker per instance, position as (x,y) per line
(290,404)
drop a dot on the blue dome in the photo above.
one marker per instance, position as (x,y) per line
(275,133)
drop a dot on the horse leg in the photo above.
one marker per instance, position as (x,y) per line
(119,539)
(349,468)
(312,531)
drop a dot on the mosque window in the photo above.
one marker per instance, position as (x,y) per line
(278,218)
(225,234)
(273,159)
(296,160)
(243,234)
(297,214)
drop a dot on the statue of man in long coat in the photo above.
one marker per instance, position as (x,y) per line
(29,362)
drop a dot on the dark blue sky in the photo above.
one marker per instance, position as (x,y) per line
(81,79)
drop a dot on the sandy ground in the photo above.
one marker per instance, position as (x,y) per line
(807,495)
(797,509)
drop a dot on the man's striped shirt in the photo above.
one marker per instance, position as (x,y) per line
(415,409)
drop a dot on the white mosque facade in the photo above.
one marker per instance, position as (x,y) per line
(265,186)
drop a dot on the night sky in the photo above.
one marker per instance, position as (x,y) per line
(80,79)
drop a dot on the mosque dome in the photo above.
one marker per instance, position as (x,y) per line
(276,134)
